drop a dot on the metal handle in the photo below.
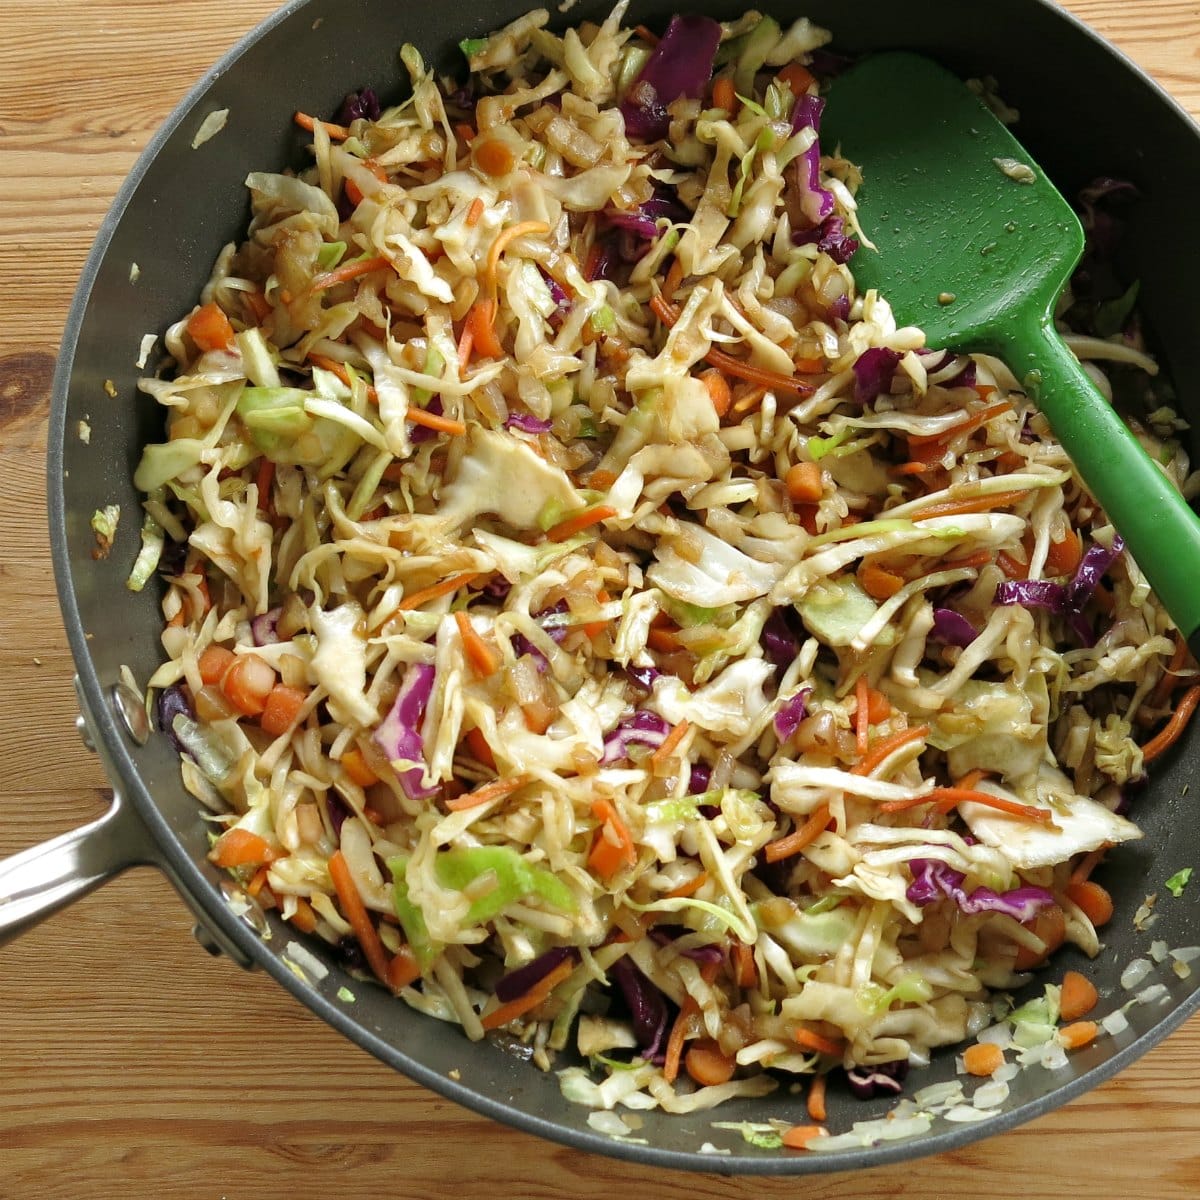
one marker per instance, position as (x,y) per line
(41,880)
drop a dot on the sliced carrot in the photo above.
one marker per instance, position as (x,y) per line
(496,790)
(667,748)
(878,583)
(800,1136)
(808,1039)
(797,77)
(1171,731)
(723,95)
(708,1064)
(403,969)
(673,1054)
(578,522)
(862,716)
(878,706)
(804,483)
(348,271)
(492,156)
(483,659)
(339,133)
(1012,567)
(1094,901)
(209,328)
(738,368)
(911,468)
(1078,1034)
(258,881)
(1050,924)
(481,321)
(1064,556)
(214,662)
(718,390)
(353,192)
(794,842)
(816,1098)
(355,913)
(983,1058)
(248,683)
(241,848)
(885,748)
(444,588)
(479,747)
(745,973)
(422,416)
(972,504)
(282,709)
(474,212)
(1077,996)
(303,918)
(688,888)
(537,995)
(356,766)
(613,845)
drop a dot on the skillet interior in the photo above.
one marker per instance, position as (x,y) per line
(178,208)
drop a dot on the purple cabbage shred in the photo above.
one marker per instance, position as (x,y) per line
(952,628)
(527,423)
(263,627)
(169,703)
(791,713)
(932,879)
(873,371)
(880,1078)
(830,237)
(518,982)
(356,105)
(803,173)
(779,643)
(643,728)
(399,735)
(680,65)
(647,1006)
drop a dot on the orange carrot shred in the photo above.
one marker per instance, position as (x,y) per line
(241,848)
(689,888)
(443,588)
(475,211)
(536,995)
(1171,731)
(884,749)
(674,1051)
(808,1039)
(667,748)
(972,504)
(480,655)
(1079,1034)
(794,842)
(520,229)
(816,1098)
(356,914)
(799,1136)
(495,790)
(862,716)
(339,133)
(579,521)
(968,425)
(348,271)
(403,969)
(421,416)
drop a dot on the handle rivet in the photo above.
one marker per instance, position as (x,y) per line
(131,711)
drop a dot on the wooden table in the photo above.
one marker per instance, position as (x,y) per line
(131,1064)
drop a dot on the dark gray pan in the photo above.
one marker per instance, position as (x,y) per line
(1086,110)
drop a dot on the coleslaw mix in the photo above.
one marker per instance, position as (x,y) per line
(594,617)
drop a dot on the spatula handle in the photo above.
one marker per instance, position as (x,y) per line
(1161,531)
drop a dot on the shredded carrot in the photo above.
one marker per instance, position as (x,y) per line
(481,324)
(723,95)
(613,845)
(303,918)
(1078,1034)
(972,504)
(745,973)
(877,582)
(600,481)
(520,229)
(799,1136)
(444,588)
(536,995)
(689,888)
(673,279)
(1170,678)
(339,369)
(1088,863)
(1013,568)
(807,1039)
(353,192)
(708,1064)
(794,842)
(797,77)
(674,1051)
(669,743)
(475,212)
(466,343)
(977,558)
(496,790)
(750,399)
(983,1058)
(884,749)
(1171,731)
(483,659)
(738,368)
(949,797)
(911,468)
(1064,556)
(403,969)
(348,271)
(1077,996)
(646,35)
(241,848)
(862,716)
(355,913)
(479,747)
(1050,925)
(804,483)
(816,1098)
(968,425)
(339,133)
(355,765)
(718,390)
(464,132)
(421,416)
(1092,899)
(257,882)
(579,521)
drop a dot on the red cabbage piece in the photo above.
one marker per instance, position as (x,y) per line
(873,371)
(791,713)
(527,423)
(647,1007)
(634,222)
(556,633)
(605,259)
(522,645)
(1032,593)
(643,677)
(363,104)
(664,935)
(399,736)
(952,628)
(263,630)
(931,880)
(643,728)
(831,238)
(337,809)
(169,703)
(779,642)
(680,65)
(1090,571)
(699,779)
(840,308)
(517,983)
(803,173)
(878,1079)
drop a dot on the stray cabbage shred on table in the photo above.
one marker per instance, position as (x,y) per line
(591,615)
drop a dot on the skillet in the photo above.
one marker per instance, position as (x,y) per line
(192,201)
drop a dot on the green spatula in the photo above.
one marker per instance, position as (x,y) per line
(975,245)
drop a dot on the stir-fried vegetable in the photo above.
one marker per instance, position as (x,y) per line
(584,601)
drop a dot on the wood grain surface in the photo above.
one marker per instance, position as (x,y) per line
(133,1065)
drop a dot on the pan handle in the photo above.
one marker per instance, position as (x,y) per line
(39,881)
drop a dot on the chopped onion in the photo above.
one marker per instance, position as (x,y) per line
(1135,972)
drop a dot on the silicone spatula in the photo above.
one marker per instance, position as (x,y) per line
(975,245)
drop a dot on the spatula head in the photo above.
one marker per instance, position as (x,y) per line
(970,236)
